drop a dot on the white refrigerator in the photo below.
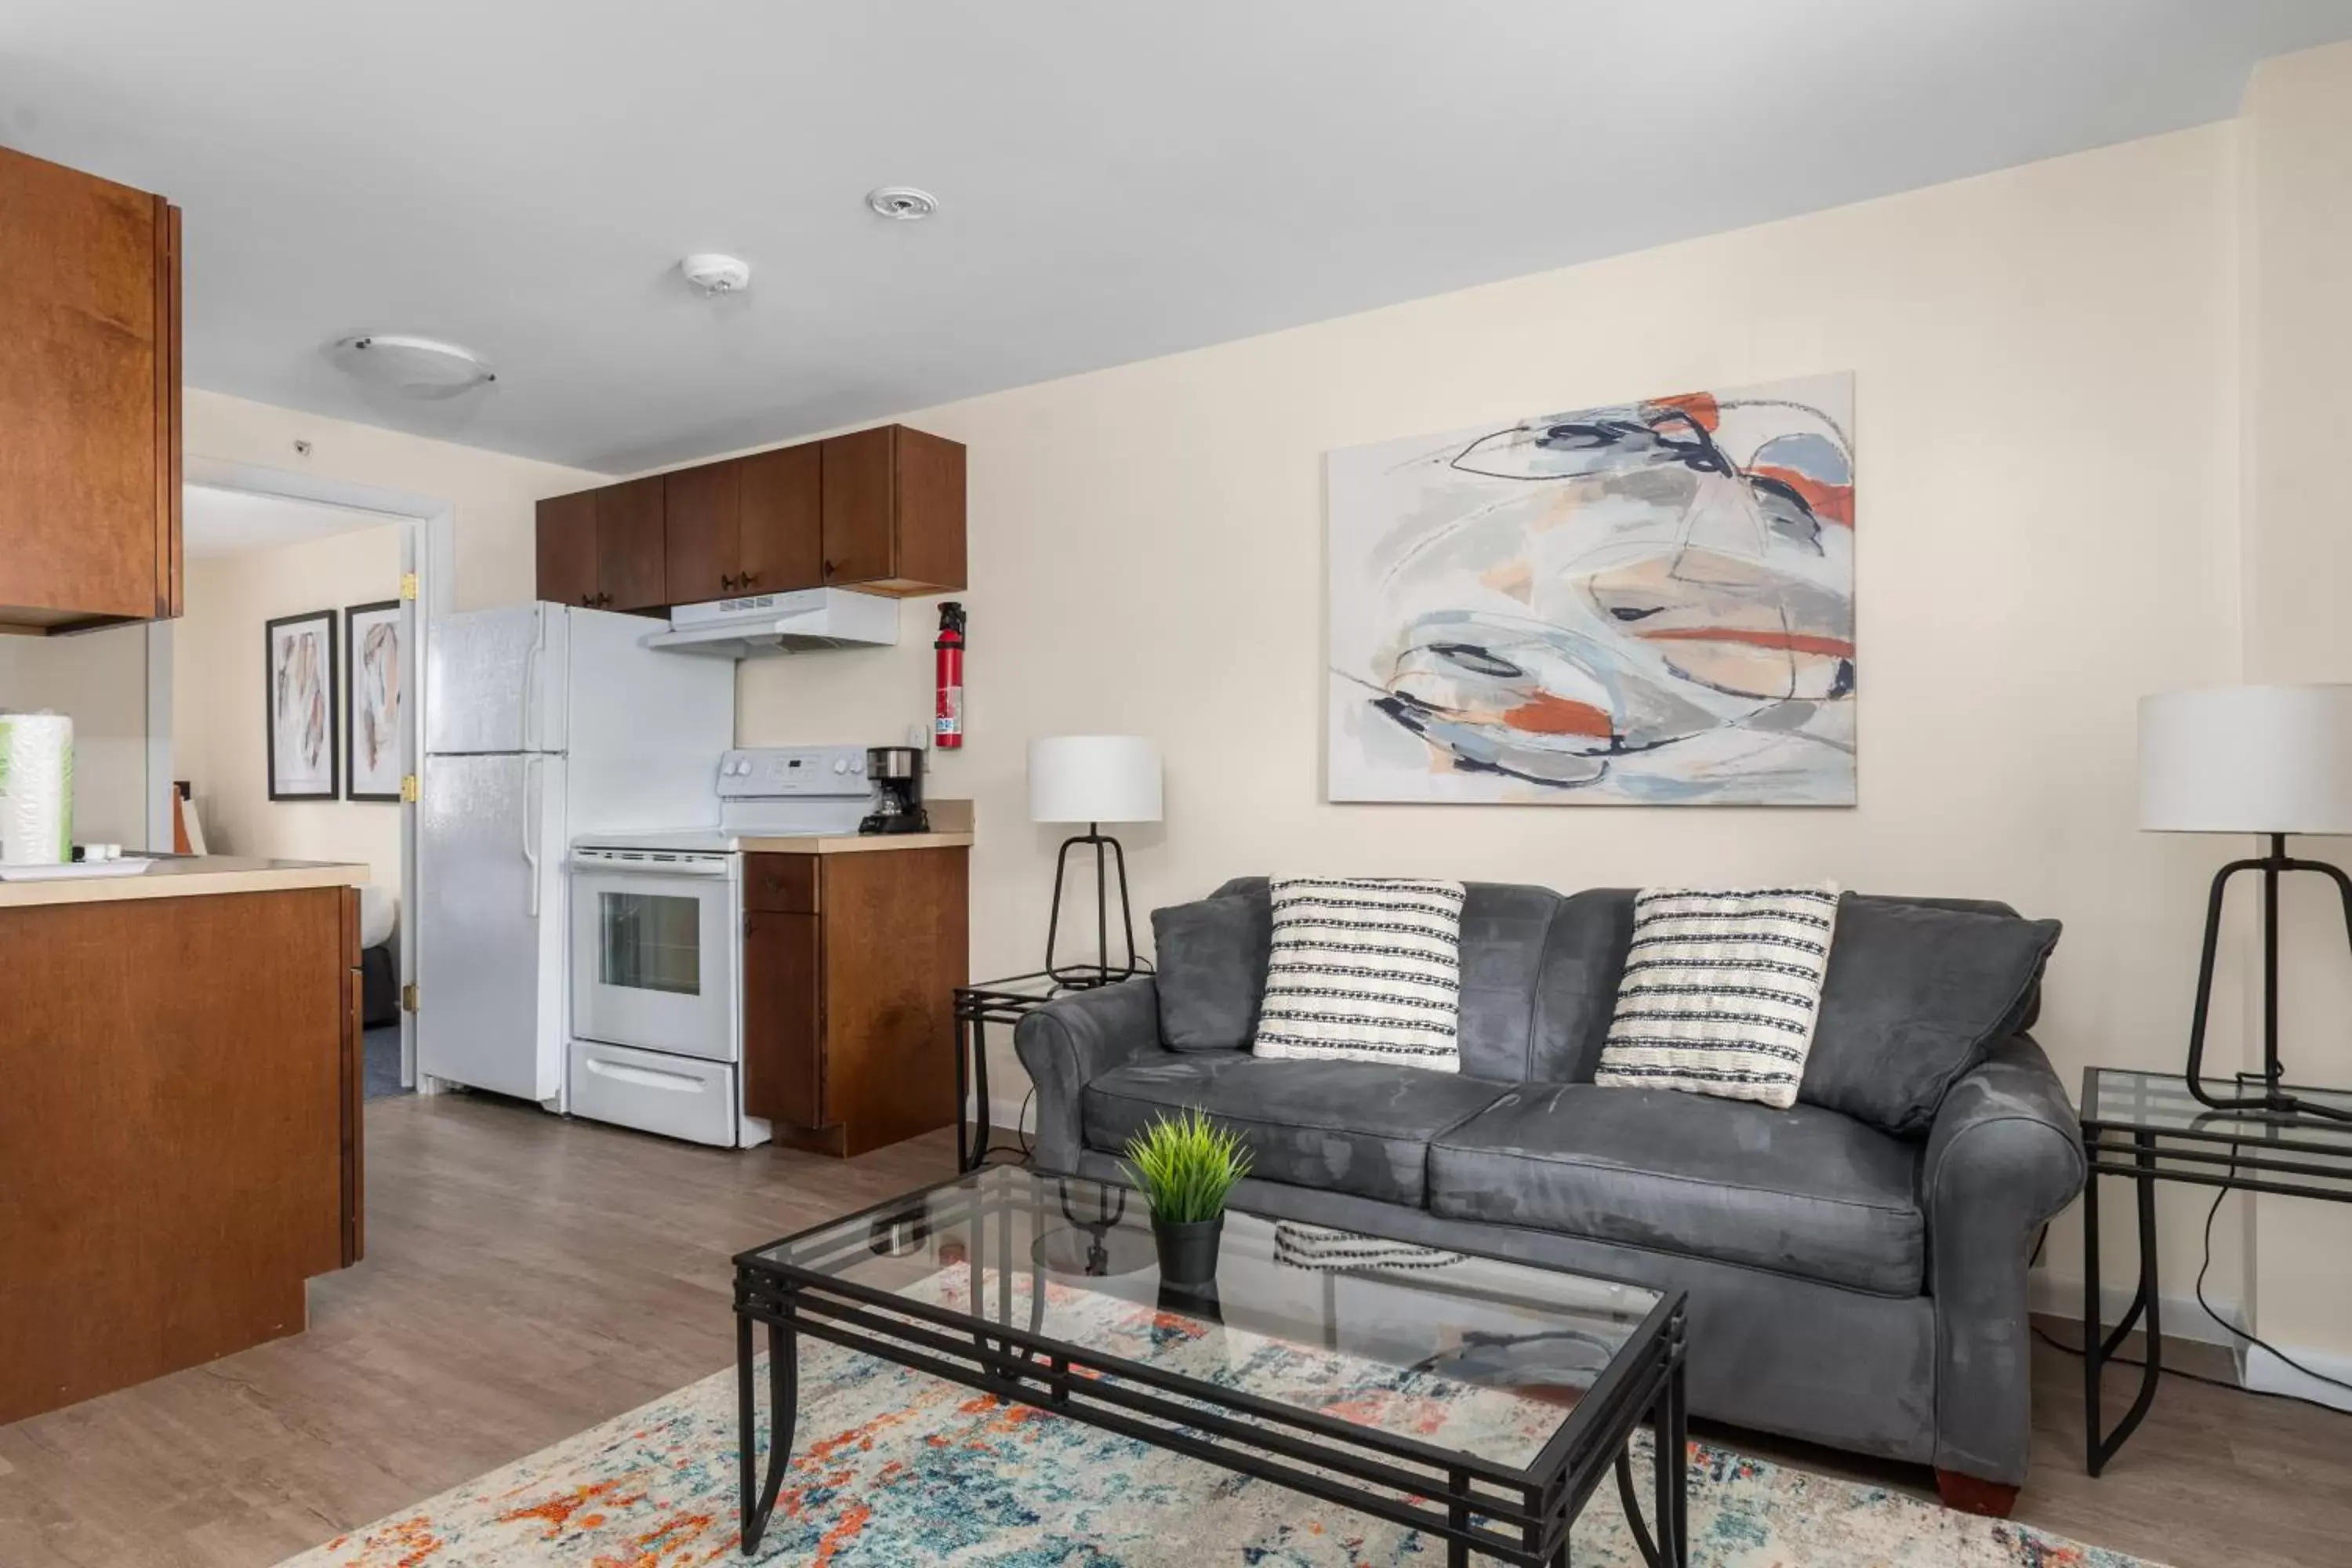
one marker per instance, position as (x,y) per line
(541,721)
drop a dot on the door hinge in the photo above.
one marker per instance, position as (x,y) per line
(408,787)
(408,998)
(408,585)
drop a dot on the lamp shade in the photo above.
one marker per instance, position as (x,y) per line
(2247,759)
(1093,778)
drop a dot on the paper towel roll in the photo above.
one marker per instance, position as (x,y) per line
(35,789)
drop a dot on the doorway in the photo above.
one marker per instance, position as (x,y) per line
(358,566)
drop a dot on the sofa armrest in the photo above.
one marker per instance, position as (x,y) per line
(2004,1155)
(1075,1039)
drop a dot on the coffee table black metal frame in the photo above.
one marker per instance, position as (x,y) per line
(2148,1128)
(1520,1516)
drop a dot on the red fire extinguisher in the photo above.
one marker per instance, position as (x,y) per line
(947,732)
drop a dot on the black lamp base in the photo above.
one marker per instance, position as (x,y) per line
(1102,972)
(2272,1099)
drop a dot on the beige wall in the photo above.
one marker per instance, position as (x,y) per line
(100,680)
(2045,368)
(490,493)
(218,744)
(2296,133)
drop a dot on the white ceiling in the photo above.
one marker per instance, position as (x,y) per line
(1116,180)
(229,522)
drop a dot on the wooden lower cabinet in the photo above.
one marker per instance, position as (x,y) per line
(850,966)
(180,1138)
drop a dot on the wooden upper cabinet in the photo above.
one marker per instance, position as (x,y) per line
(89,398)
(894,512)
(632,568)
(703,522)
(567,549)
(783,521)
(880,511)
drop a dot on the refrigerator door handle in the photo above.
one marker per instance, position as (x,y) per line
(529,831)
(530,677)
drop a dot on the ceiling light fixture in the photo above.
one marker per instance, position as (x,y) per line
(903,203)
(716,274)
(412,367)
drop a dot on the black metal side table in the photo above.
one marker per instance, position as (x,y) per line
(2148,1127)
(1006,1000)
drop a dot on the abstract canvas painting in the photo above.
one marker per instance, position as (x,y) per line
(374,761)
(299,671)
(1650,603)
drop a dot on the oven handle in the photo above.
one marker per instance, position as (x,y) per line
(529,836)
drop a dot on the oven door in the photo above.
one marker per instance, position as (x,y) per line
(652,950)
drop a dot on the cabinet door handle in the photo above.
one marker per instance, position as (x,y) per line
(727,580)
(748,579)
(604,599)
(587,601)
(830,568)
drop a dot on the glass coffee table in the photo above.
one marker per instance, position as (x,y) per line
(1479,1400)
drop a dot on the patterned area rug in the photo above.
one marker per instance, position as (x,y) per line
(892,1468)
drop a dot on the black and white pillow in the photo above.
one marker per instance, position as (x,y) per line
(1364,968)
(1721,992)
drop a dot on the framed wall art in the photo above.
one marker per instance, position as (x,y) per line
(299,669)
(375,705)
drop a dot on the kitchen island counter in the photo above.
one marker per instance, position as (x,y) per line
(179,1144)
(185,876)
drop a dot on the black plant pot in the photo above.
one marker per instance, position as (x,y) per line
(1187,1252)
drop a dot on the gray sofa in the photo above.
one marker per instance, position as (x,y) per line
(1855,1284)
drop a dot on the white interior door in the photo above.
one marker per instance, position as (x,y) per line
(490,958)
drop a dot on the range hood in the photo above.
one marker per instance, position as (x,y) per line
(762,624)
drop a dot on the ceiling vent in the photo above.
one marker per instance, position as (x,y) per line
(903,203)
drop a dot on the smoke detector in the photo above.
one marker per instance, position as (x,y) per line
(423,368)
(716,274)
(904,203)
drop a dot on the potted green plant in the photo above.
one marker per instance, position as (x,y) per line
(1185,1165)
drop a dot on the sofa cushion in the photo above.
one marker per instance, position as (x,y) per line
(1353,1127)
(1804,1191)
(1211,957)
(1916,996)
(1364,968)
(1538,975)
(1720,992)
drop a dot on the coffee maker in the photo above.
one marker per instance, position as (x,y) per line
(897,774)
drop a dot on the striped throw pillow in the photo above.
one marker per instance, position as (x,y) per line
(1364,968)
(1721,992)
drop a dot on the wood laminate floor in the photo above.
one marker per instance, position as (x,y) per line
(528,1277)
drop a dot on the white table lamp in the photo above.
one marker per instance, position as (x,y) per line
(2267,760)
(1094,779)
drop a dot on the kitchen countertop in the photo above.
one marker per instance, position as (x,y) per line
(187,876)
(853,843)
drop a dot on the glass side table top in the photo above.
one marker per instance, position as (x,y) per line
(2124,1111)
(1035,989)
(2161,1102)
(1472,1355)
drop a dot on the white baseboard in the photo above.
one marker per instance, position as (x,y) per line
(2267,1373)
(2183,1318)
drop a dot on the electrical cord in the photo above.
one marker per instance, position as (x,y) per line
(2058,1345)
(2233,1329)
(2204,1268)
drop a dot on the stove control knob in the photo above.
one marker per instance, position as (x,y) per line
(839,766)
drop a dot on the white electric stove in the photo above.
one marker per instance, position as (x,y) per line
(657,1036)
